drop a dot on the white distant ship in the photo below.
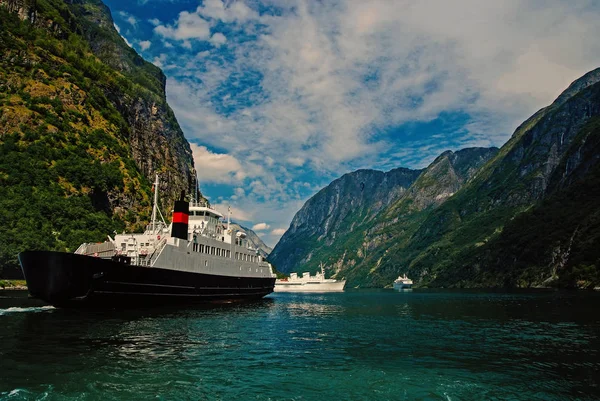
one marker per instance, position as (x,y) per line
(308,283)
(403,283)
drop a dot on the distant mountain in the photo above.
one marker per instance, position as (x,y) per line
(84,125)
(335,218)
(524,215)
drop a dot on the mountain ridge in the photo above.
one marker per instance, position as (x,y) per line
(446,231)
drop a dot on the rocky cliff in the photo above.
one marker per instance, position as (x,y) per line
(333,217)
(524,215)
(84,125)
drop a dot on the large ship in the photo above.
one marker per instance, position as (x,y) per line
(403,283)
(308,283)
(197,258)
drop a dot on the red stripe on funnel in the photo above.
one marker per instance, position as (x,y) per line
(180,217)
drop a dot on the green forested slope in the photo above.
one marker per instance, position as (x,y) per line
(68,173)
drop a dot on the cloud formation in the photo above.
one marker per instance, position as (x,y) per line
(216,167)
(145,44)
(295,93)
(260,227)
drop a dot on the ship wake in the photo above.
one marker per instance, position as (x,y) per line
(35,309)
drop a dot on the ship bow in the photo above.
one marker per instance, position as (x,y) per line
(54,277)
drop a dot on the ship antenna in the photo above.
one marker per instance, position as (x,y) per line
(155,207)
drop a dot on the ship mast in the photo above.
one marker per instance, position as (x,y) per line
(155,207)
(194,189)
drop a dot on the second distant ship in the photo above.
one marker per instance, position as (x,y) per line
(403,283)
(308,283)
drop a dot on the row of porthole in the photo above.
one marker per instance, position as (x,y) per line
(223,252)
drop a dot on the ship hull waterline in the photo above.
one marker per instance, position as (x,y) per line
(72,280)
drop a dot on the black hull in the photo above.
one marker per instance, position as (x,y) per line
(71,280)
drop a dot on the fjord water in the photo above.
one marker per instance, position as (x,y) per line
(356,345)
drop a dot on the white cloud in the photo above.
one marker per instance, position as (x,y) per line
(159,61)
(260,227)
(237,214)
(187,26)
(332,76)
(236,11)
(216,167)
(218,39)
(128,17)
(145,45)
(278,231)
(155,21)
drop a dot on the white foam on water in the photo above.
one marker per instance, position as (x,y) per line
(32,309)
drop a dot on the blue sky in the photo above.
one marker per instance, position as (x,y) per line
(278,98)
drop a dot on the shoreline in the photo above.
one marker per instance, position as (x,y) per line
(13,285)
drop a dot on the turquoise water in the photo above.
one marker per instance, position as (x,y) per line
(356,345)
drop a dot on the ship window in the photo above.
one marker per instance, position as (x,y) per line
(228,254)
(206,263)
(212,250)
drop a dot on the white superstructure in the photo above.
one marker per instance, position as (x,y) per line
(212,246)
(308,283)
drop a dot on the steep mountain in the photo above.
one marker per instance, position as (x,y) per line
(551,159)
(526,215)
(334,218)
(84,125)
(354,253)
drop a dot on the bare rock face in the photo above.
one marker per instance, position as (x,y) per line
(157,142)
(340,209)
